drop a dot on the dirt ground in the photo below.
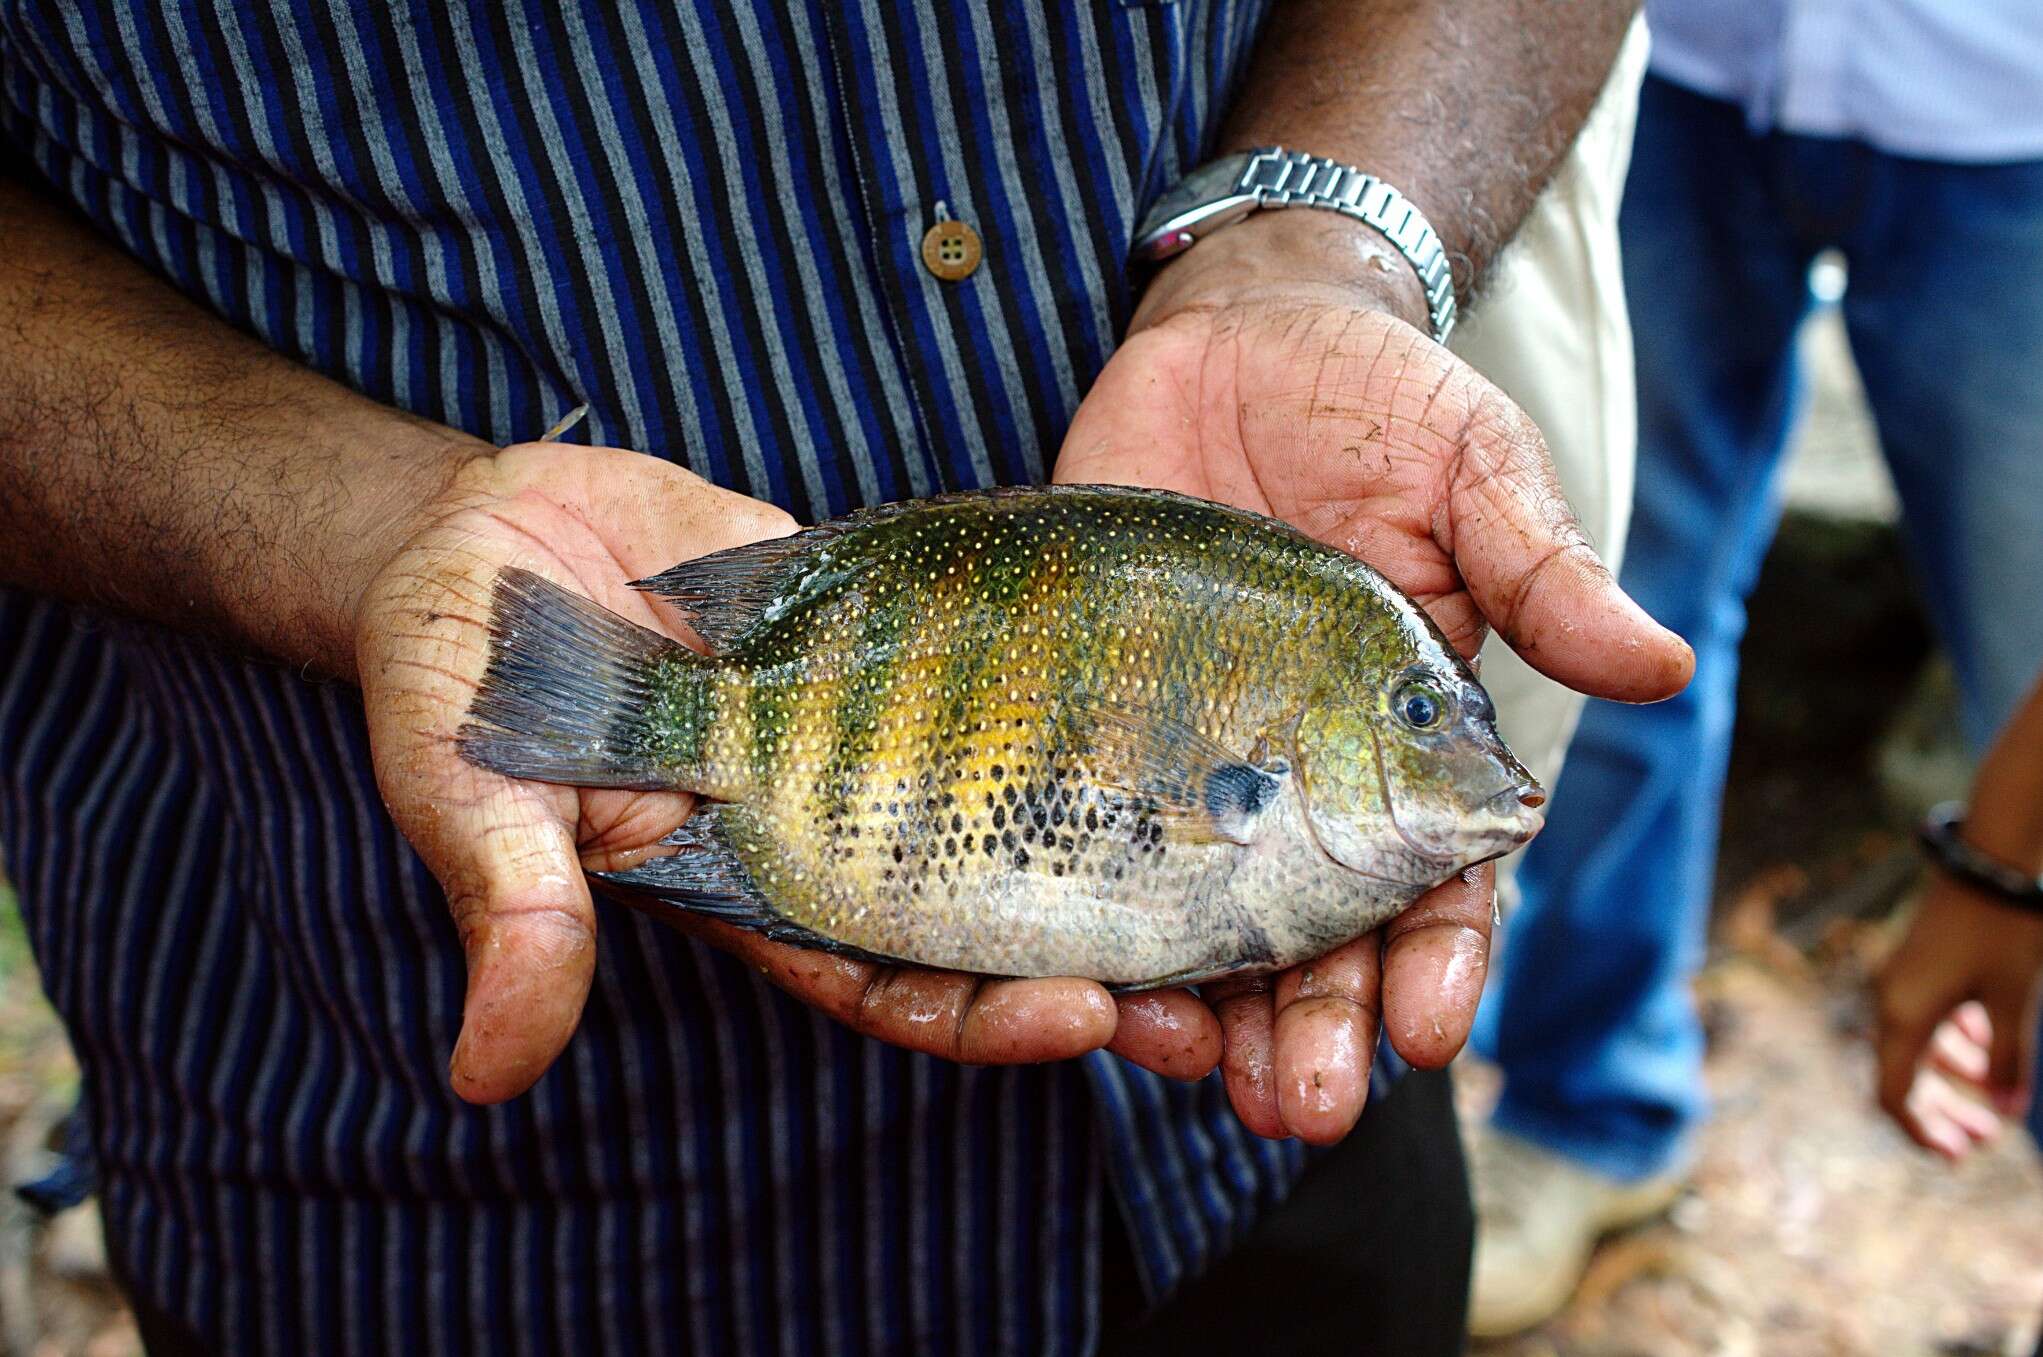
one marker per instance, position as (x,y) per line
(1811,1227)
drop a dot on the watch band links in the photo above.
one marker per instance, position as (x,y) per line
(1280,178)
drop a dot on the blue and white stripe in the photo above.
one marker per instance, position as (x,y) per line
(704,221)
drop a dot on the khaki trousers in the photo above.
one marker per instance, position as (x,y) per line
(1550,328)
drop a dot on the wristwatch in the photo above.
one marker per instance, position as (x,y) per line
(1223,192)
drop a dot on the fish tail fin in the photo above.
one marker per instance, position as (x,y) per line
(576,694)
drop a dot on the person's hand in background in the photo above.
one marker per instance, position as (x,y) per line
(1247,378)
(1956,1004)
(1956,1018)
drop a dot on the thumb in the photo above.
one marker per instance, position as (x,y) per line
(2011,1054)
(1900,1049)
(528,930)
(1538,581)
(503,851)
(505,856)
(1905,1018)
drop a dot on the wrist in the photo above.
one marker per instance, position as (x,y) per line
(1985,865)
(418,474)
(1299,252)
(2007,829)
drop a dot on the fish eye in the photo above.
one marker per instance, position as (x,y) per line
(1419,705)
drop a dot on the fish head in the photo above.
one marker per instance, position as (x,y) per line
(1405,778)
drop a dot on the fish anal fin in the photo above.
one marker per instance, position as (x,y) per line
(705,877)
(1195,976)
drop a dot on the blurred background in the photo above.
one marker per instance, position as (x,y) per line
(1811,1226)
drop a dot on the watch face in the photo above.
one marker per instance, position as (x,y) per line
(1204,185)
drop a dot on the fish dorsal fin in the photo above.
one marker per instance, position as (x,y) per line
(727,592)
(1203,790)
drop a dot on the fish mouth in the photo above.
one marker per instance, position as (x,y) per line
(1519,810)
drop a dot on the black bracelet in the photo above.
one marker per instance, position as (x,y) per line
(1940,839)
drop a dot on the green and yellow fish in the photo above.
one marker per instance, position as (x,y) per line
(1076,730)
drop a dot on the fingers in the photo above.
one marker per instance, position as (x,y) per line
(1436,956)
(1297,1050)
(505,854)
(1969,1021)
(942,1013)
(1944,1120)
(1247,1014)
(1957,1049)
(1297,1053)
(1534,575)
(1171,1032)
(1927,1066)
(1324,1041)
(1974,1052)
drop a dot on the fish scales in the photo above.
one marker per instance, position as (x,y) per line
(1084,731)
(927,765)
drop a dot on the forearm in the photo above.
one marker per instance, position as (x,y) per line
(2005,818)
(155,460)
(1465,105)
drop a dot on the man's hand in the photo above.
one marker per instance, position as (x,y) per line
(1247,379)
(510,854)
(1956,1019)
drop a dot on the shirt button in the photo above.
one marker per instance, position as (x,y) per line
(951,250)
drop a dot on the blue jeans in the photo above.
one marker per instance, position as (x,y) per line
(1590,1015)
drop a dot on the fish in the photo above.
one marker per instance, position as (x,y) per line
(1091,731)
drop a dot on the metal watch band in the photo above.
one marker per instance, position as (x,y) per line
(1223,192)
(1280,178)
(1942,838)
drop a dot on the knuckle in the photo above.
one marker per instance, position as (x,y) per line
(553,929)
(1499,438)
(469,910)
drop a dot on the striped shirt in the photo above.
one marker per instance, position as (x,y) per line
(704,221)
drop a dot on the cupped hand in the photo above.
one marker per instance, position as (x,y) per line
(1248,379)
(511,854)
(1955,1019)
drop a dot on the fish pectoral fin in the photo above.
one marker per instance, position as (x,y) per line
(1204,791)
(705,877)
